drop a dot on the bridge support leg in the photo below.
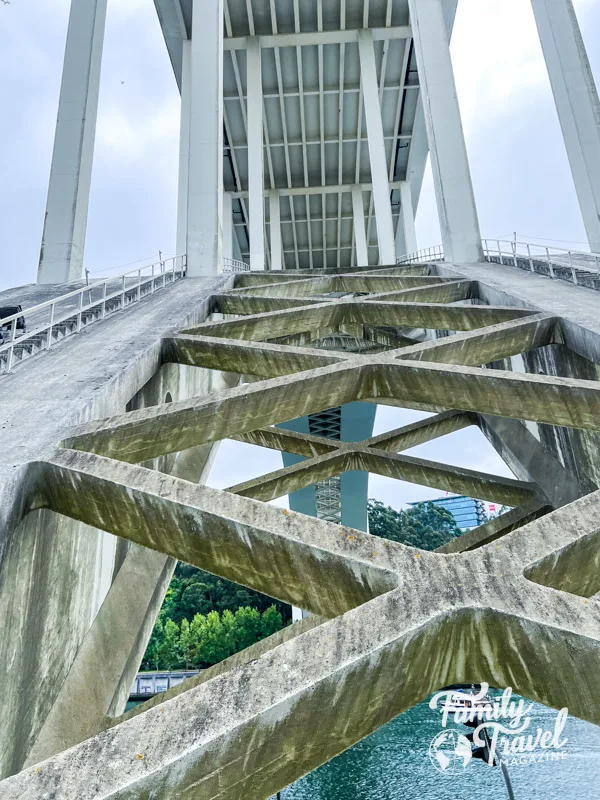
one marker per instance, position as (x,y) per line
(577,103)
(360,237)
(184,148)
(205,184)
(451,174)
(63,239)
(377,155)
(407,218)
(256,191)
(227,225)
(275,224)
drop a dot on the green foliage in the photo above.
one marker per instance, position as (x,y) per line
(193,591)
(425,526)
(207,640)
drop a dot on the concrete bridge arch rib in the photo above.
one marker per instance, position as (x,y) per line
(386,616)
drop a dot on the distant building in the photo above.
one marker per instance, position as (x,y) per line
(467,512)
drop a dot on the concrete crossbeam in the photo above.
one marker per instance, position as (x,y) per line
(556,401)
(251,279)
(252,304)
(264,360)
(304,444)
(256,545)
(328,316)
(451,292)
(447,478)
(300,444)
(106,697)
(299,476)
(142,435)
(344,283)
(496,528)
(498,342)
(421,432)
(259,327)
(429,315)
(414,470)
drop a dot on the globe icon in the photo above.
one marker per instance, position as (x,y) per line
(450,752)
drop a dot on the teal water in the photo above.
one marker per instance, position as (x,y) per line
(394,764)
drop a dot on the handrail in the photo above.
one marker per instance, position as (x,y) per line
(129,286)
(542,256)
(233,265)
(553,261)
(428,254)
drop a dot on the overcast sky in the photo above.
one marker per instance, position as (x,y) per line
(518,161)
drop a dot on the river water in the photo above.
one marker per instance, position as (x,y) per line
(394,764)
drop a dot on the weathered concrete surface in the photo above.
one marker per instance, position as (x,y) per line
(579,331)
(245,731)
(450,292)
(414,470)
(263,360)
(405,622)
(496,528)
(327,317)
(146,434)
(281,554)
(54,572)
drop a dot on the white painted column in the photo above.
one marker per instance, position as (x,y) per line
(577,103)
(256,191)
(63,239)
(205,180)
(451,174)
(184,148)
(360,236)
(379,166)
(400,246)
(407,218)
(275,224)
(227,225)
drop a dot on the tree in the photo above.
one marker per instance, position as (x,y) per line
(151,659)
(207,639)
(270,622)
(168,651)
(215,641)
(246,627)
(188,644)
(425,526)
(193,591)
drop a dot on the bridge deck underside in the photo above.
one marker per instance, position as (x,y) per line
(315,126)
(511,603)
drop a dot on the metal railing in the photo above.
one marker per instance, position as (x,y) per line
(423,256)
(55,319)
(574,266)
(232,265)
(553,261)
